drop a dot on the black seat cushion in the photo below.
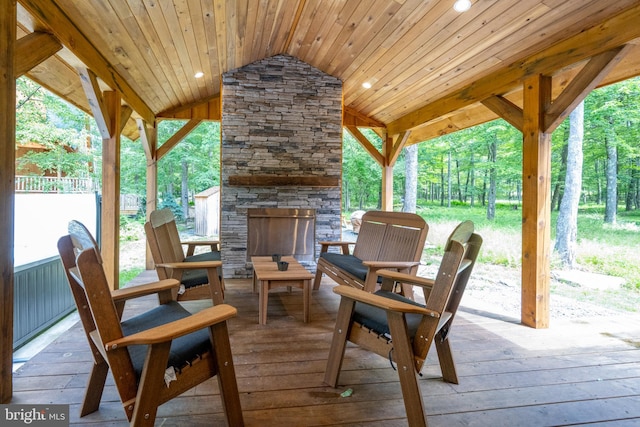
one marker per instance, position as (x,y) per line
(199,277)
(375,318)
(183,350)
(205,256)
(349,263)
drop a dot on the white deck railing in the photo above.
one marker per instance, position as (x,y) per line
(46,184)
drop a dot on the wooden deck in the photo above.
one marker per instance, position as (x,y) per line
(577,372)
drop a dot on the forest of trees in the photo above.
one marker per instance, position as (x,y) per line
(471,167)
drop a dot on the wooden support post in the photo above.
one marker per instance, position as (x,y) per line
(149,140)
(110,225)
(387,175)
(536,203)
(7,191)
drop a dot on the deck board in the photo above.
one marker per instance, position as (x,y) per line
(577,372)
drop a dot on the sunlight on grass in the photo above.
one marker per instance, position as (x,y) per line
(601,248)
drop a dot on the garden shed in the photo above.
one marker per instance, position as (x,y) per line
(207,206)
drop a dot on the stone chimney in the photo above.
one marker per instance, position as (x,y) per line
(281,148)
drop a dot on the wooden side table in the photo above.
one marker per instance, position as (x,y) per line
(266,276)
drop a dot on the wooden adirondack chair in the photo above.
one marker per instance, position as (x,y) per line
(396,327)
(140,350)
(387,240)
(200,275)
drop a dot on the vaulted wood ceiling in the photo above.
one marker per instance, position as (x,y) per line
(430,66)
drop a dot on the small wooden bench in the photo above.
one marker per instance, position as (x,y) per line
(386,241)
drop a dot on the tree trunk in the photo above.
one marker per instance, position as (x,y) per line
(562,173)
(449,179)
(611,202)
(184,199)
(493,174)
(472,182)
(411,178)
(599,183)
(567,225)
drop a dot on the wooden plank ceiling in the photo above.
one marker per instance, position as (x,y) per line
(415,53)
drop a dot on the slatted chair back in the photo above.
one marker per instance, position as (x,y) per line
(390,236)
(166,234)
(386,240)
(201,274)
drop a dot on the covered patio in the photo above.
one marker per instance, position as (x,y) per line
(409,70)
(582,371)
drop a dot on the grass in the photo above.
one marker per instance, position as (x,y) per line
(127,275)
(601,248)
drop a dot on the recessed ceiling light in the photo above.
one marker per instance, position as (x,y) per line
(198,74)
(462,5)
(366,85)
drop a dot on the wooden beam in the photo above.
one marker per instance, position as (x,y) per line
(96,102)
(397,148)
(33,49)
(147,139)
(505,109)
(177,137)
(608,35)
(110,222)
(277,180)
(8,26)
(387,176)
(588,79)
(56,21)
(536,203)
(125,114)
(352,117)
(209,109)
(373,151)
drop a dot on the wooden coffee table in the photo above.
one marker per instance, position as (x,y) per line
(266,276)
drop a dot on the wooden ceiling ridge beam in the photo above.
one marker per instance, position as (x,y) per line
(177,137)
(373,151)
(33,49)
(55,20)
(610,34)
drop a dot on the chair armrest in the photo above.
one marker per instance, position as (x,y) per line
(190,265)
(407,278)
(324,246)
(400,265)
(143,290)
(193,244)
(170,331)
(387,304)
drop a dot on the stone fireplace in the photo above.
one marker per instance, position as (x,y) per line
(281,149)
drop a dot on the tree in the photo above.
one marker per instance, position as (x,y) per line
(44,118)
(411,178)
(567,223)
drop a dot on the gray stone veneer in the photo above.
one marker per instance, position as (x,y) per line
(282,117)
